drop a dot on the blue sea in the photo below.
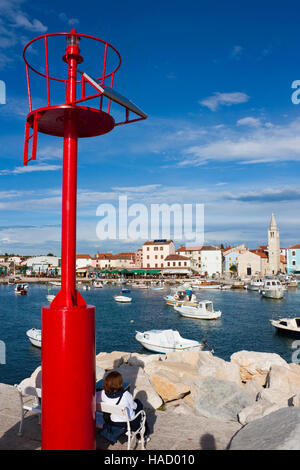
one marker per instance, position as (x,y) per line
(244,323)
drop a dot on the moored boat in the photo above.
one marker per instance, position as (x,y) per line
(272,289)
(255,284)
(203,311)
(289,326)
(97,284)
(35,337)
(122,299)
(21,289)
(50,297)
(164,341)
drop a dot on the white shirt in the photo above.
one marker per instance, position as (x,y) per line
(126,402)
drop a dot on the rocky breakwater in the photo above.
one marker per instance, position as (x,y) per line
(255,396)
(195,400)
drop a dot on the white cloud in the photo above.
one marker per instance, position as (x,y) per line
(258,145)
(249,121)
(236,52)
(224,99)
(29,169)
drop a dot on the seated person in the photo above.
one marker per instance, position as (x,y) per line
(114,394)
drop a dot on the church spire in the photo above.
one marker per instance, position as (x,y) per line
(273,225)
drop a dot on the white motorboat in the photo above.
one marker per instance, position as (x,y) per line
(50,297)
(35,337)
(122,299)
(272,289)
(98,284)
(164,341)
(205,285)
(141,286)
(21,289)
(179,296)
(225,287)
(256,284)
(55,283)
(289,326)
(86,287)
(157,288)
(203,311)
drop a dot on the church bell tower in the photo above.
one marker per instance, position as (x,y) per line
(273,247)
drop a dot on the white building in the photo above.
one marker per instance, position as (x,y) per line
(194,253)
(211,261)
(252,263)
(43,264)
(177,264)
(154,253)
(83,261)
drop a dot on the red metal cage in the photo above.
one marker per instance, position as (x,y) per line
(91,121)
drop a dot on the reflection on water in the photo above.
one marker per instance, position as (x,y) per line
(244,323)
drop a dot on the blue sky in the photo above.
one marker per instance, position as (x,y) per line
(215,79)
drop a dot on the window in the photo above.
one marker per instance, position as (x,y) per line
(162,265)
(179,263)
(148,265)
(293,253)
(161,256)
(168,263)
(161,248)
(147,248)
(185,263)
(156,248)
(174,264)
(156,256)
(156,265)
(294,263)
(148,257)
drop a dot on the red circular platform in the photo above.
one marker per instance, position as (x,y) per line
(90,122)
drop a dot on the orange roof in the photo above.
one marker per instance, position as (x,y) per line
(176,257)
(83,257)
(296,247)
(259,253)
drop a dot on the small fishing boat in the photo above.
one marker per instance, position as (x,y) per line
(205,285)
(272,289)
(141,286)
(255,284)
(35,337)
(203,311)
(21,289)
(98,284)
(225,287)
(50,297)
(55,283)
(289,326)
(125,291)
(164,341)
(122,299)
(86,287)
(178,297)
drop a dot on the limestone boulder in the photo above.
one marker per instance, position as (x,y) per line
(171,380)
(219,399)
(140,386)
(279,430)
(141,360)
(257,410)
(284,380)
(209,365)
(113,360)
(186,357)
(256,365)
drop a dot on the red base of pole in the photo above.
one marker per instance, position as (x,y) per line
(68,378)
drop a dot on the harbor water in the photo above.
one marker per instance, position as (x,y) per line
(244,324)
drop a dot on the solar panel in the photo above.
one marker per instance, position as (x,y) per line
(113,95)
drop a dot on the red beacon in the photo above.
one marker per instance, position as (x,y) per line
(68,324)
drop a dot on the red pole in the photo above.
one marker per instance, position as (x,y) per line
(68,325)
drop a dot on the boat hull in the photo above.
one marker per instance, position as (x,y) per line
(35,338)
(189,313)
(164,350)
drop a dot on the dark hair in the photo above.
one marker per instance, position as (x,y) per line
(113,382)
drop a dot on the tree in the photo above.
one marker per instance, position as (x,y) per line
(233,268)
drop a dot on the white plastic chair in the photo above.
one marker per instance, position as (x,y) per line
(122,412)
(34,406)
